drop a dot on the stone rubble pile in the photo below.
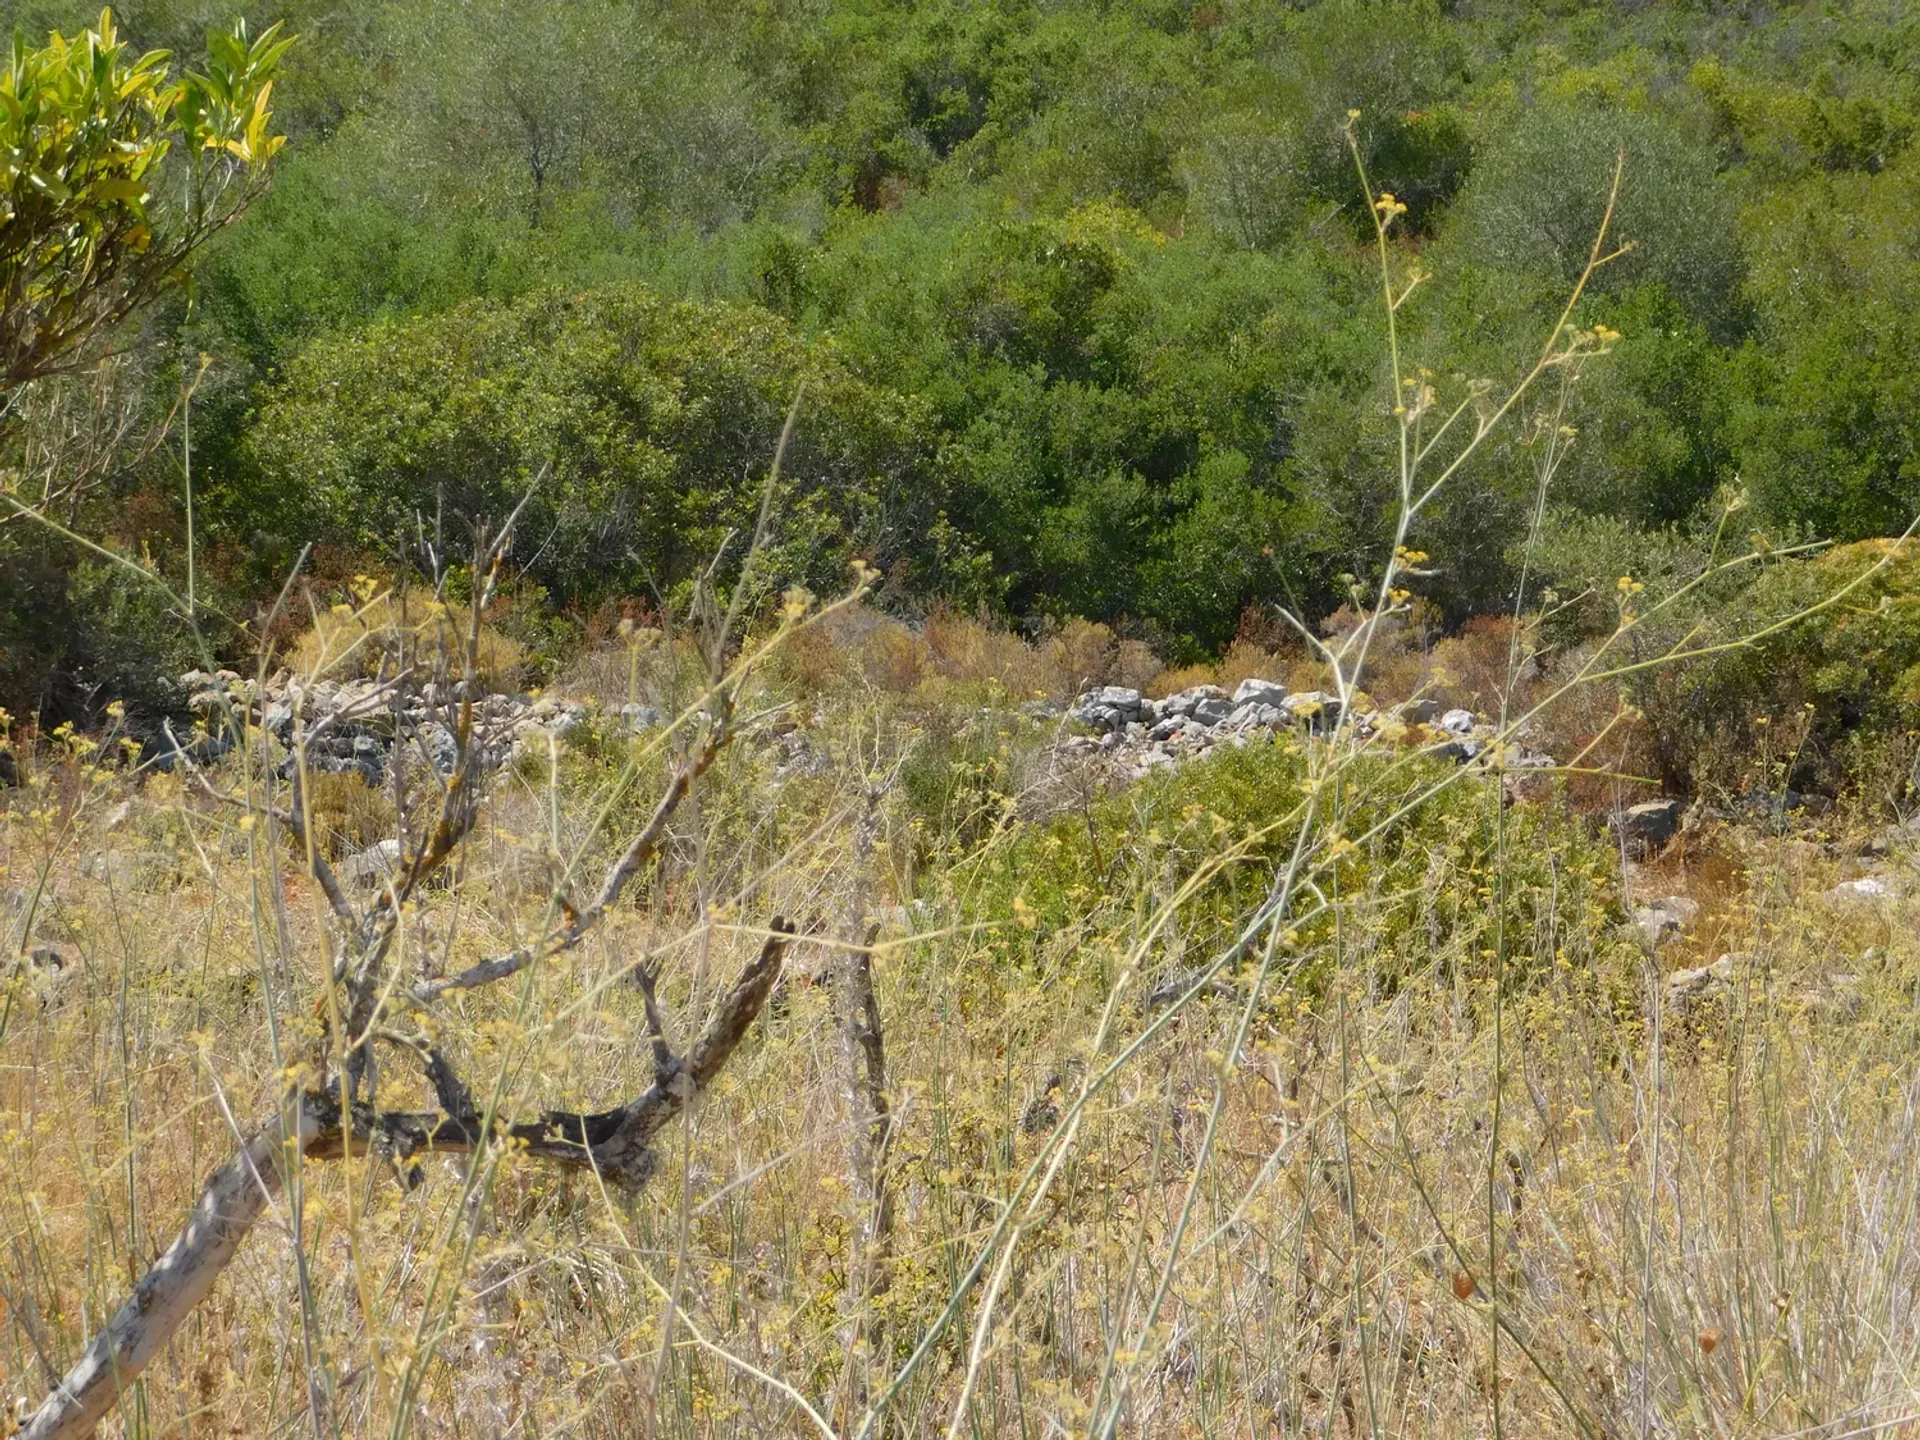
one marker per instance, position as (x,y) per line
(355,725)
(1141,735)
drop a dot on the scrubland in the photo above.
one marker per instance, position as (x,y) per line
(1424,1151)
(795,1020)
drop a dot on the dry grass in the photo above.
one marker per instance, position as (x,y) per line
(1695,1229)
(1422,1153)
(950,650)
(353,641)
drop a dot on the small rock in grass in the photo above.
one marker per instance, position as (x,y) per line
(1868,890)
(1645,828)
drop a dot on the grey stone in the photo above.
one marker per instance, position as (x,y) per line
(1646,827)
(1193,732)
(1419,712)
(1835,998)
(1457,722)
(372,866)
(1315,709)
(1260,692)
(1187,701)
(1868,890)
(1212,710)
(442,749)
(1683,908)
(1255,716)
(1669,915)
(1688,989)
(1111,707)
(166,751)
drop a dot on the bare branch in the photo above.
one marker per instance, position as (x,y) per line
(612,1142)
(233,1199)
(638,852)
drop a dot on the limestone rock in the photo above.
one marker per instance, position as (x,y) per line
(1668,916)
(1314,709)
(1865,893)
(1687,990)
(1183,704)
(1111,707)
(1260,692)
(373,866)
(1258,715)
(1647,827)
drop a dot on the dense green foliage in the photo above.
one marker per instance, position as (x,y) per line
(117,170)
(640,430)
(1225,827)
(120,166)
(1084,289)
(1831,700)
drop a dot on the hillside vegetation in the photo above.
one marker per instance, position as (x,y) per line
(872,720)
(1085,292)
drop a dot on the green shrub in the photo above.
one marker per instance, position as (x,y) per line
(642,430)
(1421,887)
(1833,698)
(78,634)
(1538,192)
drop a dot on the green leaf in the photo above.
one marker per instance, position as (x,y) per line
(51,186)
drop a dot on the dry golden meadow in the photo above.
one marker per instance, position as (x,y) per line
(1385,1177)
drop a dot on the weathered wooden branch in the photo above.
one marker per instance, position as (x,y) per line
(871,1116)
(233,1199)
(637,853)
(613,1142)
(344,1117)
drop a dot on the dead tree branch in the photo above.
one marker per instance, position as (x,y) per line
(343,1116)
(869,1134)
(317,1127)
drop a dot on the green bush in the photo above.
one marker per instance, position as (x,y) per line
(642,429)
(1125,419)
(1833,699)
(1828,435)
(1418,888)
(1539,190)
